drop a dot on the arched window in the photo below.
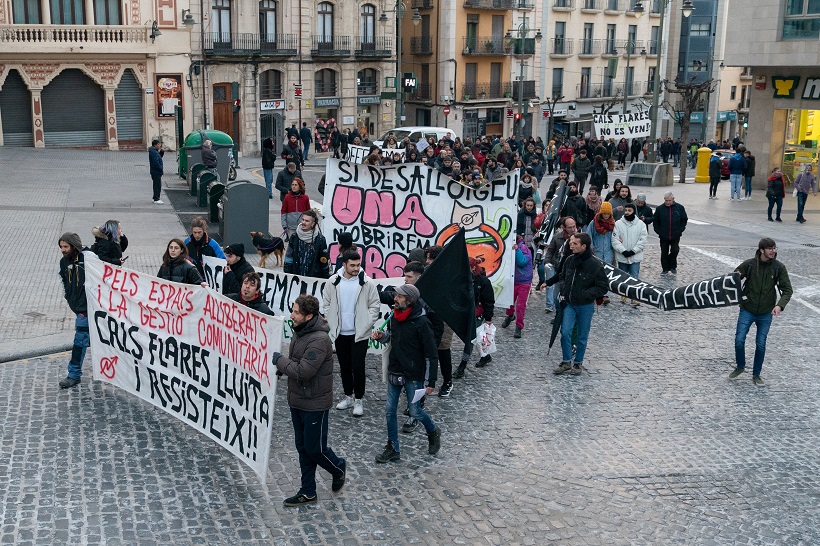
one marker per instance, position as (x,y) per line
(366,82)
(270,85)
(325,83)
(367,25)
(267,21)
(324,25)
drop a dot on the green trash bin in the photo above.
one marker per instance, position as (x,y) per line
(205,179)
(192,151)
(193,176)
(215,191)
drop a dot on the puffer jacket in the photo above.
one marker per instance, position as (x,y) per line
(180,270)
(413,351)
(583,279)
(523,265)
(670,222)
(309,367)
(72,274)
(232,280)
(203,247)
(293,205)
(366,311)
(106,249)
(629,236)
(601,242)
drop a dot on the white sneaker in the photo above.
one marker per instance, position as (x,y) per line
(346,403)
(159,202)
(358,407)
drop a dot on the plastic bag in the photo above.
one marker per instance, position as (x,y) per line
(485,339)
(794,193)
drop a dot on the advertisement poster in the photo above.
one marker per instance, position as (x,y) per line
(168,94)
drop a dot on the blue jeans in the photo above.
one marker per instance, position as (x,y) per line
(393,394)
(744,322)
(310,436)
(748,186)
(634,269)
(552,296)
(735,180)
(81,343)
(305,148)
(581,316)
(268,173)
(801,204)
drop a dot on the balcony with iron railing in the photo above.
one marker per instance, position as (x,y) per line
(563,5)
(523,46)
(367,89)
(491,4)
(331,46)
(560,47)
(589,48)
(609,90)
(246,43)
(524,90)
(421,45)
(525,5)
(634,47)
(324,89)
(652,50)
(615,7)
(591,6)
(422,93)
(97,39)
(373,46)
(485,45)
(421,4)
(483,91)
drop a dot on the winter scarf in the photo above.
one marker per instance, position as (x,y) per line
(604,226)
(594,204)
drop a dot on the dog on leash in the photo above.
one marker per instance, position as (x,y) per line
(266,245)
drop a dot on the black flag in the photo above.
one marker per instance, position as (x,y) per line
(447,287)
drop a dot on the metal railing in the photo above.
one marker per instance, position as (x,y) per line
(72,35)
(368,88)
(247,43)
(331,45)
(634,46)
(590,47)
(422,92)
(561,46)
(421,45)
(270,92)
(376,46)
(491,90)
(485,45)
(491,4)
(279,44)
(324,89)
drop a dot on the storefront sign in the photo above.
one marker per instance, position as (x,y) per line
(785,87)
(267,105)
(168,95)
(322,103)
(695,117)
(730,115)
(557,113)
(632,125)
(369,100)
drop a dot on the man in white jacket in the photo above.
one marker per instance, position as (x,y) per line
(351,308)
(628,242)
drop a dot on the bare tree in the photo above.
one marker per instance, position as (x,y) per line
(551,102)
(688,99)
(611,102)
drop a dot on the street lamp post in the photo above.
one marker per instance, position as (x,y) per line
(522,31)
(638,10)
(399,11)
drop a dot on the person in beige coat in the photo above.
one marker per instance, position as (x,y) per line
(351,308)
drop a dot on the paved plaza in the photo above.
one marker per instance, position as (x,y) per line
(652,444)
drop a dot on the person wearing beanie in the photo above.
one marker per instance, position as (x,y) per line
(236,268)
(628,241)
(72,273)
(416,255)
(643,211)
(293,205)
(600,231)
(412,365)
(763,277)
(522,285)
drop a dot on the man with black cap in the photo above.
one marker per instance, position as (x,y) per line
(235,270)
(72,273)
(412,366)
(763,277)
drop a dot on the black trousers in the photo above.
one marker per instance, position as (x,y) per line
(445,361)
(310,436)
(157,179)
(713,185)
(669,253)
(351,362)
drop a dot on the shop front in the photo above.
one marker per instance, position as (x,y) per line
(367,113)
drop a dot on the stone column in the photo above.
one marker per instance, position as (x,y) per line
(111,119)
(89,12)
(37,118)
(45,11)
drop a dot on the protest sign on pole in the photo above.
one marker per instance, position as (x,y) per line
(617,126)
(201,357)
(280,290)
(389,211)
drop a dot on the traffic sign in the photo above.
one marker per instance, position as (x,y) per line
(446,110)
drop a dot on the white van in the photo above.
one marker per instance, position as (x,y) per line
(415,133)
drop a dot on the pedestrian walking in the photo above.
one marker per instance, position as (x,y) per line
(412,366)
(763,277)
(669,223)
(307,249)
(236,268)
(285,178)
(628,241)
(580,168)
(748,174)
(583,280)
(804,183)
(351,308)
(293,205)
(268,164)
(600,233)
(72,273)
(775,192)
(292,152)
(309,368)
(200,244)
(715,164)
(306,137)
(521,287)
(176,267)
(737,166)
(156,169)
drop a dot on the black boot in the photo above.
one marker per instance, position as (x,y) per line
(459,373)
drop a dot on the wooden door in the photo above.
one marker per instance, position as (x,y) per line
(223,110)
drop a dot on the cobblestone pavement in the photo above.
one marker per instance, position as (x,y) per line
(651,445)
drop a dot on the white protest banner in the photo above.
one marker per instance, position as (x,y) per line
(389,211)
(189,351)
(632,125)
(357,154)
(280,290)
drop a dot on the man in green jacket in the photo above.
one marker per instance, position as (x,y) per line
(763,277)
